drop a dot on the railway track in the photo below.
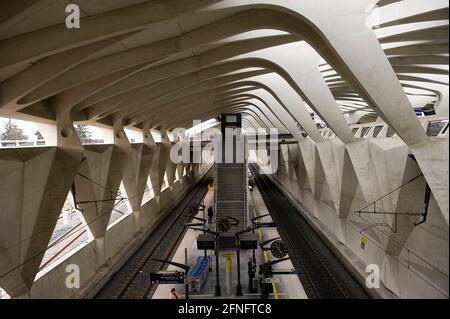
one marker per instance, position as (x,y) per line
(132,280)
(319,270)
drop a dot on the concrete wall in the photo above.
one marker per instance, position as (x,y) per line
(418,269)
(119,239)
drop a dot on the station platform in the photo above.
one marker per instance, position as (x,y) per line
(284,286)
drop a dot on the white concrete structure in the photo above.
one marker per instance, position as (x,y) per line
(360,65)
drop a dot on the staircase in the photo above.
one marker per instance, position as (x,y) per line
(230,193)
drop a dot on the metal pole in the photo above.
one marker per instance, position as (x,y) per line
(204,217)
(217,292)
(228,274)
(186,277)
(238,257)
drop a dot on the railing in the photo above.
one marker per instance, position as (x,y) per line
(21,143)
(92,141)
(433,125)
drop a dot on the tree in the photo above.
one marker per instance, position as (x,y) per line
(83,131)
(11,131)
(38,135)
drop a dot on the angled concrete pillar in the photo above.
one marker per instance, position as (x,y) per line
(154,170)
(314,172)
(96,185)
(171,168)
(282,165)
(410,201)
(298,167)
(390,274)
(128,168)
(349,185)
(329,161)
(433,159)
(164,157)
(41,178)
(358,153)
(319,182)
(389,157)
(145,152)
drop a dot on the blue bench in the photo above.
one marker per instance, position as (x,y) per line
(198,273)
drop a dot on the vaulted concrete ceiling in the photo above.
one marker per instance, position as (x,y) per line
(165,63)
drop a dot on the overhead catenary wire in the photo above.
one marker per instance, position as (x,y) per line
(87,224)
(392,191)
(122,199)
(319,271)
(73,230)
(410,252)
(376,244)
(356,214)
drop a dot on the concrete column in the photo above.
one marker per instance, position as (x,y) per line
(41,179)
(128,168)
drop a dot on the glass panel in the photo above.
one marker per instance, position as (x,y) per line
(70,232)
(165,182)
(88,134)
(364,131)
(377,130)
(390,132)
(3,294)
(121,206)
(231,119)
(435,127)
(148,193)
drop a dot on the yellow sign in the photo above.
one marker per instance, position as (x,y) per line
(228,255)
(228,265)
(363,242)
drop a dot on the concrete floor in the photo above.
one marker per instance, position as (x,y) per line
(286,286)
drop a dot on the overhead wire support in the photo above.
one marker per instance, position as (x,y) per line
(396,214)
